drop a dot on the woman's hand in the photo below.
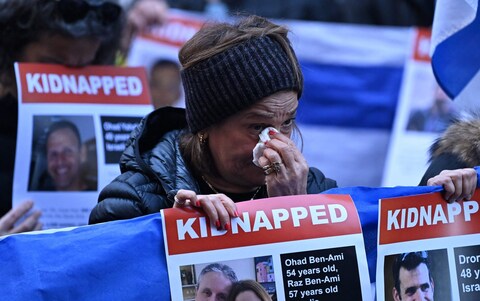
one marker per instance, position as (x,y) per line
(7,222)
(459,184)
(285,168)
(218,207)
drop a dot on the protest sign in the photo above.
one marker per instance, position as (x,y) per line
(305,247)
(162,42)
(73,125)
(423,112)
(438,242)
(157,48)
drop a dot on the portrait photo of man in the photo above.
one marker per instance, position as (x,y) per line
(214,282)
(417,276)
(411,274)
(64,157)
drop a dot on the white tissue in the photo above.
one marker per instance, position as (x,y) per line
(260,147)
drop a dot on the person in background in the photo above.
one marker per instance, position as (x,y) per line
(214,282)
(412,277)
(240,80)
(248,290)
(70,32)
(435,118)
(165,83)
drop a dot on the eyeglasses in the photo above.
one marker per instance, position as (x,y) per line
(75,10)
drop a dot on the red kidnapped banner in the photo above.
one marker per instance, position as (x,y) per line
(263,221)
(176,31)
(106,85)
(427,216)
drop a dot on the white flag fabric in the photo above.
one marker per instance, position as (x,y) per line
(455,49)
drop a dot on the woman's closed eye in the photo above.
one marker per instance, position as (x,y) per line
(288,124)
(258,128)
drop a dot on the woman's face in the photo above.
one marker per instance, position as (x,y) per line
(57,49)
(232,141)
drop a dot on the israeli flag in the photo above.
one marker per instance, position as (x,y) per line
(126,260)
(353,75)
(455,54)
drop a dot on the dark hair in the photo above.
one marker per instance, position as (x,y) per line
(409,261)
(25,21)
(60,125)
(248,285)
(165,63)
(226,271)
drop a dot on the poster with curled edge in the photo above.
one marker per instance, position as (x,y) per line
(428,248)
(304,247)
(159,45)
(72,127)
(423,113)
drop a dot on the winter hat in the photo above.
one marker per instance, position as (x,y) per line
(235,79)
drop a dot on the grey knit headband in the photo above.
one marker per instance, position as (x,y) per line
(235,79)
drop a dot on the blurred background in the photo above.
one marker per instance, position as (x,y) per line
(367,70)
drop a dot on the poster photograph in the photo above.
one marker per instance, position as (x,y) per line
(428,249)
(305,247)
(64,154)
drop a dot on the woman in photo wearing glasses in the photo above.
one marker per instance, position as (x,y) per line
(69,32)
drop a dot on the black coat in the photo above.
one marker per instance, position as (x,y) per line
(153,170)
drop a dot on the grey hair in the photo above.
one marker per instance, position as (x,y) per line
(227,271)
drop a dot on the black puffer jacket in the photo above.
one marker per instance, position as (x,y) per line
(153,170)
(458,147)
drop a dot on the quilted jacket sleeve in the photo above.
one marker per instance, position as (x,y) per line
(131,194)
(317,182)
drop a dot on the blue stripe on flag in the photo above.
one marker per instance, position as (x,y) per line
(349,96)
(456,60)
(121,260)
(125,260)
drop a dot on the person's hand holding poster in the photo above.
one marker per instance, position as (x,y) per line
(305,247)
(428,249)
(73,125)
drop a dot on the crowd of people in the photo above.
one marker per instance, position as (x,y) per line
(238,78)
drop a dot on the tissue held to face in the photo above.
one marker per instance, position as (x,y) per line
(260,147)
(232,141)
